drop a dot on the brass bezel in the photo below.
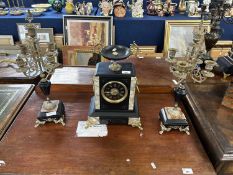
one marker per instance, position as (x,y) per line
(114,101)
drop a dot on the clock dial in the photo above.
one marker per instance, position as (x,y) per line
(114,92)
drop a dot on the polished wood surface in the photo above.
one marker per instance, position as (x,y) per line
(153,77)
(54,149)
(213,122)
(152,72)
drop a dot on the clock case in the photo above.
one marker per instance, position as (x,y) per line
(114,113)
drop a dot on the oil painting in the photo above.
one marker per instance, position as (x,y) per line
(179,35)
(87,31)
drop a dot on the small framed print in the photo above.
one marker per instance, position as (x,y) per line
(6,40)
(22,31)
(45,35)
(58,40)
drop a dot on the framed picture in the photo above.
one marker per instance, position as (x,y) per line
(87,30)
(9,50)
(6,40)
(45,35)
(22,31)
(224,43)
(58,40)
(221,48)
(179,35)
(80,56)
(12,100)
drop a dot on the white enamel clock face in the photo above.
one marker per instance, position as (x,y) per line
(114,92)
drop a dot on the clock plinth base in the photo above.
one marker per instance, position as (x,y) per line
(127,117)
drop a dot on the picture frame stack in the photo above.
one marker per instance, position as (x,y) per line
(84,36)
(45,35)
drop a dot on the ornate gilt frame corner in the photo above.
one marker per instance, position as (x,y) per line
(68,51)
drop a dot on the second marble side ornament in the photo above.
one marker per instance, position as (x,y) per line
(173,118)
(52,110)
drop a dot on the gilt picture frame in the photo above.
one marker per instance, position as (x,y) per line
(80,56)
(179,35)
(6,40)
(87,30)
(58,40)
(221,48)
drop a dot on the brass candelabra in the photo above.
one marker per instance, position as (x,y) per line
(32,63)
(193,65)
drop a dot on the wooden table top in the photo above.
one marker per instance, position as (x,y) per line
(54,149)
(153,76)
(213,121)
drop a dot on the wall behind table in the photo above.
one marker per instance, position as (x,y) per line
(148,30)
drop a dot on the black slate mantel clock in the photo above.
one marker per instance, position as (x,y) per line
(114,100)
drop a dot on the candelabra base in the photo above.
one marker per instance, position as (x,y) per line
(179,92)
(169,128)
(56,115)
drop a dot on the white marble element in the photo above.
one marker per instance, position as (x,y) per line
(132,92)
(96,91)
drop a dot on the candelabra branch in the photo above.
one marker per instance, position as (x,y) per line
(31,61)
(194,65)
